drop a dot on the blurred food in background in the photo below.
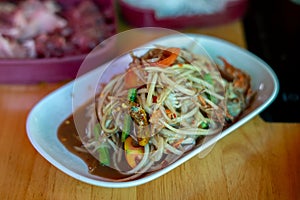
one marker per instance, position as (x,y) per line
(45,29)
(177,8)
(181,13)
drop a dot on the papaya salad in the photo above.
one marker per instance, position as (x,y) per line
(167,102)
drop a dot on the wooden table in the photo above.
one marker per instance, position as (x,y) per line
(258,161)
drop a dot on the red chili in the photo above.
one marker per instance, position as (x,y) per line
(154,99)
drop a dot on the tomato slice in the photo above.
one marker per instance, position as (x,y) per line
(132,80)
(171,59)
(133,154)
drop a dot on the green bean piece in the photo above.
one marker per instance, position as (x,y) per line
(104,157)
(126,127)
(97,131)
(131,96)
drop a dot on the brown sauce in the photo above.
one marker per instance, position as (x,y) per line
(68,136)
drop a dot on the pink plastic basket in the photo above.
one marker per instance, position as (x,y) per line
(57,69)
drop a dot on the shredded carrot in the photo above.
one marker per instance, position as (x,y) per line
(202,101)
(176,144)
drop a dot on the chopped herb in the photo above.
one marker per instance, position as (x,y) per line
(204,125)
(132,94)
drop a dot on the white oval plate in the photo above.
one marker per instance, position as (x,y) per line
(46,116)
